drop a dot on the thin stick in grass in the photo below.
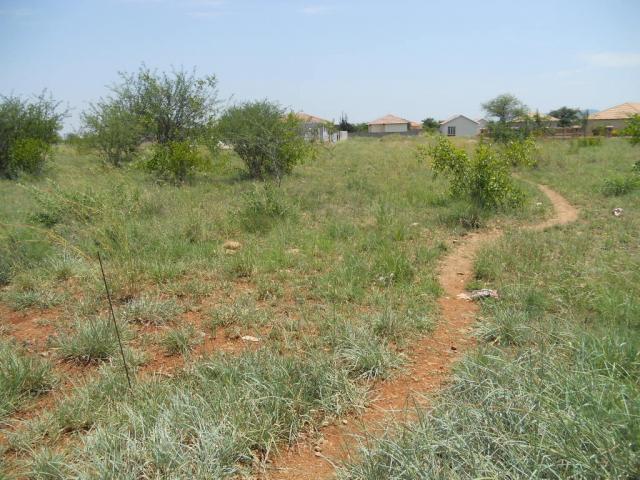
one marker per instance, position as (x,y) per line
(115,324)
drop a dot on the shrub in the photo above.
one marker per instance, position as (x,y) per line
(616,186)
(268,140)
(632,129)
(483,179)
(28,155)
(520,152)
(114,131)
(176,162)
(27,131)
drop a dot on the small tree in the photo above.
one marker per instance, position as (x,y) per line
(164,108)
(170,107)
(115,131)
(632,129)
(344,124)
(266,138)
(505,108)
(566,116)
(430,124)
(28,128)
(484,179)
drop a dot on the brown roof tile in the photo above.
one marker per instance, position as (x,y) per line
(618,112)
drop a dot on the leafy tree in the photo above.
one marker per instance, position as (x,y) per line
(632,129)
(484,179)
(505,108)
(160,107)
(170,107)
(430,124)
(266,138)
(361,127)
(115,131)
(28,128)
(566,116)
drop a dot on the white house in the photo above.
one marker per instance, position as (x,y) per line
(459,126)
(314,127)
(389,124)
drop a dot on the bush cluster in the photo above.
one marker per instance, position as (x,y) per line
(268,140)
(28,128)
(483,179)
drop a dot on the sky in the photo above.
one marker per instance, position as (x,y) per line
(412,58)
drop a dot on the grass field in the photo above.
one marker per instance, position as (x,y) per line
(552,391)
(333,273)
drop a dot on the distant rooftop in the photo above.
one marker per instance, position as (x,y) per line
(305,117)
(389,120)
(619,112)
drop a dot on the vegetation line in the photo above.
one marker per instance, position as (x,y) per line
(431,361)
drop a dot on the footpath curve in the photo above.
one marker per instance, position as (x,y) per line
(429,364)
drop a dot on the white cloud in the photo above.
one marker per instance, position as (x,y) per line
(613,59)
(204,14)
(315,9)
(17,12)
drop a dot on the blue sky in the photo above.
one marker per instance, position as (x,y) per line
(365,58)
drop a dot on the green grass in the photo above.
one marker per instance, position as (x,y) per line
(22,376)
(335,274)
(180,340)
(553,390)
(90,340)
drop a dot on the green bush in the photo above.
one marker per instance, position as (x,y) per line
(484,179)
(520,152)
(27,131)
(114,131)
(616,186)
(268,140)
(176,162)
(28,155)
(632,129)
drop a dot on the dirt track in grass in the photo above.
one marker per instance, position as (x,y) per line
(430,363)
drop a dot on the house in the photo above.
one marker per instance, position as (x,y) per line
(482,122)
(547,120)
(459,126)
(415,126)
(613,118)
(314,127)
(389,124)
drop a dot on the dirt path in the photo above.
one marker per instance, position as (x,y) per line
(430,363)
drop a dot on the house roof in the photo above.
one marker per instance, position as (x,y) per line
(389,120)
(454,117)
(618,112)
(415,124)
(543,116)
(305,117)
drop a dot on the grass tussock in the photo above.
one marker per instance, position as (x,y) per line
(22,375)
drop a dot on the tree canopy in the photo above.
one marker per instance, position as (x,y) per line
(567,116)
(505,108)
